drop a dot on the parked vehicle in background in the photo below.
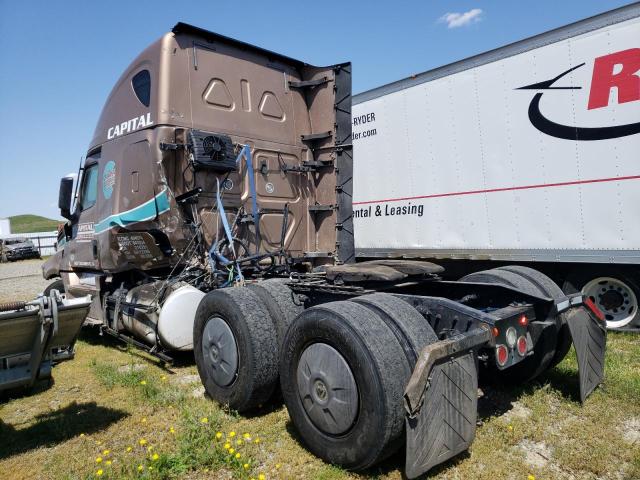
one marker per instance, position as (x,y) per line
(527,154)
(17,248)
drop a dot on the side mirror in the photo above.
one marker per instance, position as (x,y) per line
(65,196)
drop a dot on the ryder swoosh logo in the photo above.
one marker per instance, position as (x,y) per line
(620,70)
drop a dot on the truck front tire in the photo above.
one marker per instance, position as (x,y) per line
(235,348)
(343,374)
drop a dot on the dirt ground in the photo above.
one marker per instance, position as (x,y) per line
(21,280)
(114,412)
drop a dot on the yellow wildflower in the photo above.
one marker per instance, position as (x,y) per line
(278,465)
(238,455)
(227,446)
(140,468)
(108,462)
(531,477)
(172,430)
(219,435)
(204,420)
(257,440)
(81,435)
(231,450)
(239,442)
(246,466)
(99,472)
(99,460)
(155,457)
(144,420)
(106,452)
(261,477)
(232,434)
(163,378)
(143,382)
(149,448)
(129,449)
(246,436)
(510,428)
(142,442)
(150,468)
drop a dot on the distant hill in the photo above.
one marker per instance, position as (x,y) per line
(32,223)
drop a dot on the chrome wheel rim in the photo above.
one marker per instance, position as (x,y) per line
(614,298)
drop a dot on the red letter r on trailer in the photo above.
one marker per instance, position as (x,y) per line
(626,79)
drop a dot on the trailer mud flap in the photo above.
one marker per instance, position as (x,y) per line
(589,337)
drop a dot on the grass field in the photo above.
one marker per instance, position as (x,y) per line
(114,413)
(32,224)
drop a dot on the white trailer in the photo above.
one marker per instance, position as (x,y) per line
(524,154)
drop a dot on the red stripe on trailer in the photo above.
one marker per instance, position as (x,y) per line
(504,189)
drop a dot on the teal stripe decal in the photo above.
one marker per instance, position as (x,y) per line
(141,213)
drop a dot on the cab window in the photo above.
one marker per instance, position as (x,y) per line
(141,83)
(89,191)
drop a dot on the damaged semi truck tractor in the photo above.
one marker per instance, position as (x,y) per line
(214,213)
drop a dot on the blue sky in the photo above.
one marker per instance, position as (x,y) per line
(59,60)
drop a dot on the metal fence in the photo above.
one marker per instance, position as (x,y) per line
(44,241)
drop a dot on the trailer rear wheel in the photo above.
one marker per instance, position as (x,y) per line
(280,301)
(613,290)
(343,374)
(545,348)
(551,289)
(235,348)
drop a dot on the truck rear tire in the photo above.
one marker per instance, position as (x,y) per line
(343,374)
(551,290)
(279,300)
(409,327)
(544,350)
(615,292)
(235,348)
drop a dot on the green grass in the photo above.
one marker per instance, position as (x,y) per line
(112,398)
(32,224)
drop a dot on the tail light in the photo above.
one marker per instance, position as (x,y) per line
(523,321)
(502,355)
(522,346)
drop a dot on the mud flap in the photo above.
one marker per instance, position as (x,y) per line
(589,337)
(445,424)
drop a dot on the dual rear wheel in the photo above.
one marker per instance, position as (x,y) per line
(343,365)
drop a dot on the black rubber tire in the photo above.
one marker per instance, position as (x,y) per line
(256,341)
(545,350)
(411,329)
(280,301)
(577,279)
(55,285)
(552,290)
(380,371)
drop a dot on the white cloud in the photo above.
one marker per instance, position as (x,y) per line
(455,19)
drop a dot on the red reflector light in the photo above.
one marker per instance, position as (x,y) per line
(523,321)
(522,346)
(594,309)
(502,355)
(495,331)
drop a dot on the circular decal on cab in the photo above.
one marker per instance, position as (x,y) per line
(108,179)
